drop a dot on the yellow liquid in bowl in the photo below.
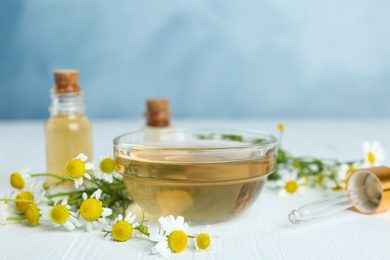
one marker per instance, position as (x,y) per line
(212,190)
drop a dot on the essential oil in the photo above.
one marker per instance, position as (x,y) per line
(68,131)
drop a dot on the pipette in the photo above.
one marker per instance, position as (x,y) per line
(368,191)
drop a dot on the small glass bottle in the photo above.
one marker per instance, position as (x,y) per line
(157,119)
(68,131)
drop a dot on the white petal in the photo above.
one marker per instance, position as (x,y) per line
(69,225)
(72,219)
(87,176)
(25,170)
(165,224)
(88,226)
(79,223)
(106,212)
(95,224)
(97,194)
(88,166)
(110,178)
(131,220)
(103,221)
(120,217)
(81,157)
(159,247)
(157,238)
(179,222)
(85,196)
(282,193)
(186,229)
(128,216)
(76,184)
(172,220)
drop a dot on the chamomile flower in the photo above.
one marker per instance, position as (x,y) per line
(92,213)
(35,195)
(104,169)
(33,213)
(374,154)
(60,215)
(203,241)
(19,180)
(343,171)
(76,168)
(290,185)
(173,236)
(123,228)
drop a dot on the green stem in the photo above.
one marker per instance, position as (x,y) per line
(100,186)
(50,175)
(17,218)
(74,200)
(13,200)
(64,193)
(119,187)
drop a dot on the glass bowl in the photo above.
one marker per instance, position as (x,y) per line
(204,175)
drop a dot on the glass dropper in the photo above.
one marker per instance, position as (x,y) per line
(366,194)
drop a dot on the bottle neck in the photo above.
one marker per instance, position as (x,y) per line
(66,103)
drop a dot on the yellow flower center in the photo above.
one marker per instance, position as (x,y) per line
(59,214)
(91,209)
(22,206)
(203,241)
(371,157)
(17,181)
(177,241)
(291,186)
(281,127)
(75,168)
(107,165)
(32,214)
(122,230)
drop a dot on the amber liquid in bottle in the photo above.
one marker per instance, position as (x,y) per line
(66,137)
(68,131)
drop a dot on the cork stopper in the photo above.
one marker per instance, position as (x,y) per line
(66,81)
(157,113)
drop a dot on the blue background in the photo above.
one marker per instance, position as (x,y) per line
(245,58)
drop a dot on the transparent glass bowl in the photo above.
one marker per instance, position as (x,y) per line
(204,175)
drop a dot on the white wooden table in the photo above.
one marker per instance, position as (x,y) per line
(262,232)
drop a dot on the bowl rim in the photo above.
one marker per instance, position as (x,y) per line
(272,139)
